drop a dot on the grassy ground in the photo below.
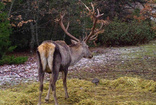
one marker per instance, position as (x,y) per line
(137,61)
(121,91)
(130,79)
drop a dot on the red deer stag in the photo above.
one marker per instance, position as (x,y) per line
(57,56)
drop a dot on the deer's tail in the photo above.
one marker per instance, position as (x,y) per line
(45,54)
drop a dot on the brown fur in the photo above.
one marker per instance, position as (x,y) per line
(55,57)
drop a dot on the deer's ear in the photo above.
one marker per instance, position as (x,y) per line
(73,41)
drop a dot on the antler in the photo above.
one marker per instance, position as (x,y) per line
(95,19)
(66,29)
(97,32)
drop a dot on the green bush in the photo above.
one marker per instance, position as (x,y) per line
(13,60)
(122,33)
(5,30)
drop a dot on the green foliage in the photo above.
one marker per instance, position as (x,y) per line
(120,8)
(13,60)
(121,91)
(44,15)
(122,33)
(136,12)
(1,6)
(5,31)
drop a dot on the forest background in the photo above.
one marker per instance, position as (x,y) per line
(24,24)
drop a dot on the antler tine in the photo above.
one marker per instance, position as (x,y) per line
(95,18)
(61,16)
(65,29)
(86,6)
(94,24)
(85,36)
(93,37)
(100,30)
(101,25)
(99,15)
(96,34)
(93,7)
(67,26)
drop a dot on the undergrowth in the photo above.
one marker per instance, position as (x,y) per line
(13,60)
(119,33)
(121,91)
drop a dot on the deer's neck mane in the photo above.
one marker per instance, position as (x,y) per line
(76,53)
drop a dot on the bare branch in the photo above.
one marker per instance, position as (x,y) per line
(12,3)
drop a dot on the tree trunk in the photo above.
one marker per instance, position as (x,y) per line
(36,25)
(32,42)
(32,26)
(11,8)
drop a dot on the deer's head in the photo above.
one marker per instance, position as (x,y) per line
(83,47)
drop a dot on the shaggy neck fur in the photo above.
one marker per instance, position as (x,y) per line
(76,54)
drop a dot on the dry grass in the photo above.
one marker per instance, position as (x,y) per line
(121,91)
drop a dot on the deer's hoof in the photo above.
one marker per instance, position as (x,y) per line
(66,97)
(46,100)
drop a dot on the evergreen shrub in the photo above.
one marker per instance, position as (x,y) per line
(5,30)
(13,60)
(119,33)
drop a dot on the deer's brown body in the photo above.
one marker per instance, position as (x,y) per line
(57,56)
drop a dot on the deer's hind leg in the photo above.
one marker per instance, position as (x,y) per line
(64,77)
(41,79)
(55,73)
(49,90)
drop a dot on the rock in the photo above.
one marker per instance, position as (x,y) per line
(96,81)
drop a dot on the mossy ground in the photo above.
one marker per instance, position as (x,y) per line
(121,91)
